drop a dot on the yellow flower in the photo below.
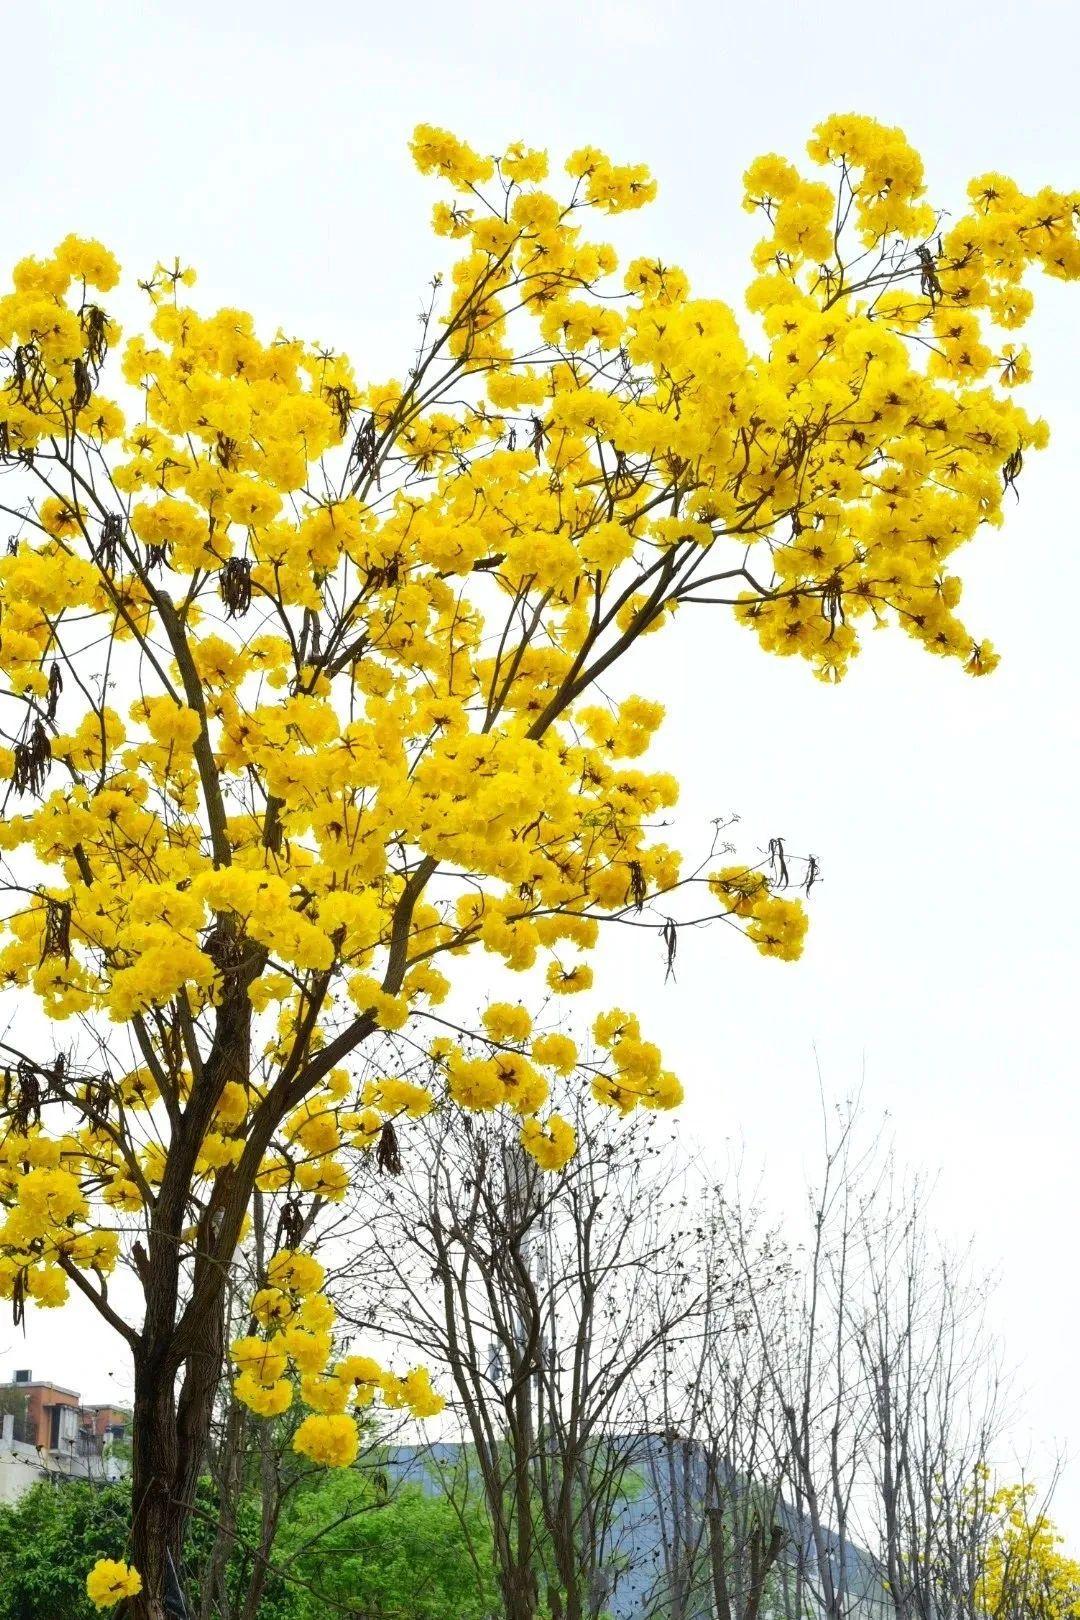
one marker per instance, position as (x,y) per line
(506,1022)
(552,1143)
(48,1286)
(413,1391)
(569,981)
(110,1581)
(60,517)
(309,1351)
(265,1400)
(324,1394)
(263,1359)
(331,1441)
(394,1096)
(556,1052)
(89,261)
(439,151)
(292,1269)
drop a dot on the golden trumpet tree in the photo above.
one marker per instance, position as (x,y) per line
(303,704)
(1025,1574)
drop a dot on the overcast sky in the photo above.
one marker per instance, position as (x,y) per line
(266,143)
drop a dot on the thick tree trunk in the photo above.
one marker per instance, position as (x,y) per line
(170,1439)
(183,1343)
(157,1516)
(268,1525)
(519,1592)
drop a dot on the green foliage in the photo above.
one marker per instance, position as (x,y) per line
(48,1541)
(410,1556)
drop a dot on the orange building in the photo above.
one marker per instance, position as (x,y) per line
(40,1412)
(52,1418)
(106,1423)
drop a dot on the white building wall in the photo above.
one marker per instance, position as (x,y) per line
(20,1465)
(23,1466)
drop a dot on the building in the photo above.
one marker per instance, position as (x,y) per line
(47,1433)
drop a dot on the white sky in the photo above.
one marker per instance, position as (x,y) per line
(266,143)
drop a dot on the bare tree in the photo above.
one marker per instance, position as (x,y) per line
(717,1467)
(891,1395)
(813,1377)
(935,1397)
(551,1300)
(812,1426)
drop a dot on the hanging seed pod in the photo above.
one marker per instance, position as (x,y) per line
(362,455)
(670,936)
(94,323)
(28,374)
(56,1084)
(57,940)
(97,1095)
(228,451)
(341,404)
(107,555)
(832,601)
(538,433)
(637,889)
(388,1154)
(273,830)
(234,583)
(56,686)
(32,760)
(1012,469)
(929,284)
(83,392)
(24,1105)
(290,1224)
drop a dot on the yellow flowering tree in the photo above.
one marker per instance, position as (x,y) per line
(306,695)
(1025,1574)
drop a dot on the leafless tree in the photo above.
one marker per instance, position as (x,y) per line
(811,1423)
(935,1397)
(717,1468)
(891,1394)
(550,1299)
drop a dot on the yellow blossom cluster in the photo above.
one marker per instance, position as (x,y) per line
(295,1354)
(775,923)
(110,1581)
(1025,1570)
(43,1204)
(313,684)
(637,1075)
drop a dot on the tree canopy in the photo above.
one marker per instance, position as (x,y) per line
(302,694)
